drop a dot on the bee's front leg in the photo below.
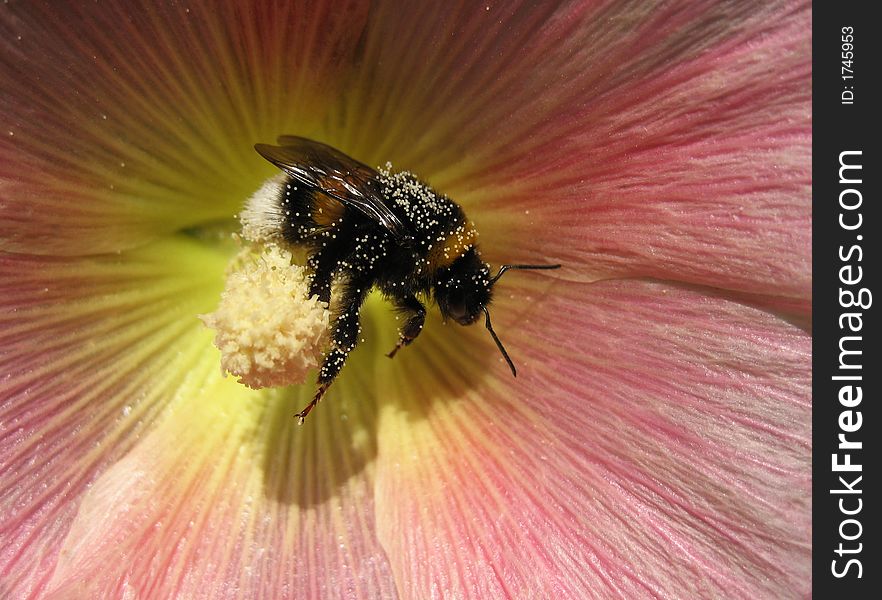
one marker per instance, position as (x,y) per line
(416,317)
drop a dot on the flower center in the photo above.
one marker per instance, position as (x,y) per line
(269,330)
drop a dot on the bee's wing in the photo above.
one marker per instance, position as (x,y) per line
(331,172)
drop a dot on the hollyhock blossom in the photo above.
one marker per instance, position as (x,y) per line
(656,442)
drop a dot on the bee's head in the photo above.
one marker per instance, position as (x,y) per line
(464,288)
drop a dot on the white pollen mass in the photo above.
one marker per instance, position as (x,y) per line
(267,329)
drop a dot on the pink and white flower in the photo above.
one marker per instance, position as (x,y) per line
(656,442)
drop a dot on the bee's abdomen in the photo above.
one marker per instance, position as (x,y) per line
(309,214)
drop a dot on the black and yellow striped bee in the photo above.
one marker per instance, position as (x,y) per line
(364,229)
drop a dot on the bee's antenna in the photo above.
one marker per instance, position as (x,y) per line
(498,343)
(505,268)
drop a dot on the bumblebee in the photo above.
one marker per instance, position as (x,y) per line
(364,228)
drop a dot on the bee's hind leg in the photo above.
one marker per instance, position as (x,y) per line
(301,416)
(322,266)
(346,328)
(416,317)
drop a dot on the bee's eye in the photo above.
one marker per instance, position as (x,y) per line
(457,308)
(462,309)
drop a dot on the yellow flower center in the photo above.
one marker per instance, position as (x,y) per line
(269,331)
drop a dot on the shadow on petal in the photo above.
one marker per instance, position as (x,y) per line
(309,464)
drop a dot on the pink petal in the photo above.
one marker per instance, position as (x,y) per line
(656,443)
(670,142)
(92,351)
(244,505)
(129,466)
(125,123)
(665,140)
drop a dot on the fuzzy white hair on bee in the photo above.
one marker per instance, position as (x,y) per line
(263,217)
